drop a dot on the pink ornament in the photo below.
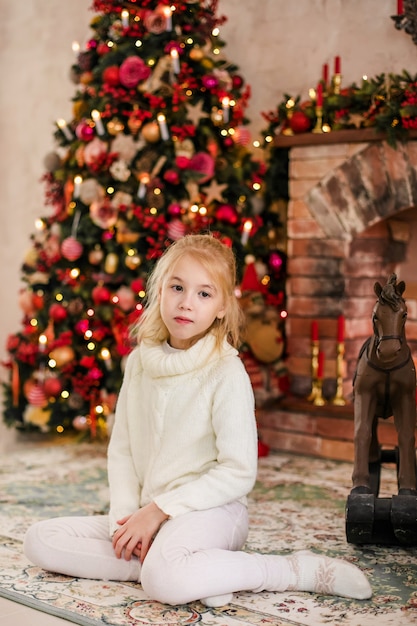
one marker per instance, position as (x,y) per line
(226,213)
(126,298)
(174,209)
(176,230)
(36,396)
(84,131)
(209,81)
(71,249)
(132,71)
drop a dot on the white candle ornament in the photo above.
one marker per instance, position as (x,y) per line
(125,18)
(226,109)
(98,122)
(163,127)
(144,180)
(168,15)
(247,227)
(62,125)
(77,186)
(175,61)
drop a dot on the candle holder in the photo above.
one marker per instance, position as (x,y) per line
(336,82)
(319,123)
(319,400)
(314,370)
(338,399)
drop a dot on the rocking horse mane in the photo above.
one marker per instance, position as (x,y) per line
(391,293)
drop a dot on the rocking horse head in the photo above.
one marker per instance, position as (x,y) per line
(388,318)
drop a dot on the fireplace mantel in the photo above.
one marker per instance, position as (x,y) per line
(363,135)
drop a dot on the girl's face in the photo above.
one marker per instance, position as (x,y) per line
(190,302)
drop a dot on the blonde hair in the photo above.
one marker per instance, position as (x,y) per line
(219,261)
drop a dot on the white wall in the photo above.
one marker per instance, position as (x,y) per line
(279,46)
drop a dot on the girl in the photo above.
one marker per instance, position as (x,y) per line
(183,456)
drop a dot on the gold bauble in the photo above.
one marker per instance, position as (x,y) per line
(62,355)
(79,109)
(111,263)
(86,78)
(150,132)
(196,54)
(132,262)
(115,126)
(207,63)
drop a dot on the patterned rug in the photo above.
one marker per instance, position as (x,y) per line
(298,503)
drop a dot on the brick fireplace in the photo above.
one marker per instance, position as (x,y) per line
(352,220)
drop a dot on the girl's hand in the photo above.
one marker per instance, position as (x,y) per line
(137,531)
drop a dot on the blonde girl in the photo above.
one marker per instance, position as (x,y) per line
(183,456)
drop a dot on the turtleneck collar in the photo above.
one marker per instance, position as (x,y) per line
(161,360)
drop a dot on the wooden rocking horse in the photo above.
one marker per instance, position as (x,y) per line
(384,385)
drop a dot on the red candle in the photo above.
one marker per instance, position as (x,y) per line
(314,331)
(340,329)
(325,73)
(400,8)
(320,365)
(319,100)
(337,65)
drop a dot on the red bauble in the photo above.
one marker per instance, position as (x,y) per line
(226,213)
(300,122)
(36,396)
(237,81)
(100,295)
(52,387)
(57,312)
(111,75)
(71,249)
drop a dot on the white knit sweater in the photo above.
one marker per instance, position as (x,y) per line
(185,432)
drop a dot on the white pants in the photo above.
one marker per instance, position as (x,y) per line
(193,556)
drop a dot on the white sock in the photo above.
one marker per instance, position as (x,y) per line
(216,601)
(306,571)
(322,574)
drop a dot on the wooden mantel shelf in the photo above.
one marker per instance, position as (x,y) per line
(363,135)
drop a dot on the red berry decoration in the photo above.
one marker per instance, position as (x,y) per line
(71,249)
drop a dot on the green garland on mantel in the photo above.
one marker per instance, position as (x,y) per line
(387,103)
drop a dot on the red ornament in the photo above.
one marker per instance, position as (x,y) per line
(237,81)
(300,122)
(36,396)
(57,312)
(52,386)
(71,249)
(100,295)
(111,75)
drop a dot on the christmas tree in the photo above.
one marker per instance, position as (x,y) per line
(157,148)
